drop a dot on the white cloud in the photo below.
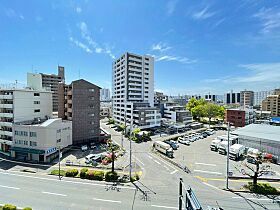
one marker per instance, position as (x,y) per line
(175,58)
(160,47)
(78,9)
(10,13)
(270,19)
(86,35)
(171,6)
(80,45)
(203,14)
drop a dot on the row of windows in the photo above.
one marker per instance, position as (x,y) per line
(25,133)
(36,102)
(23,142)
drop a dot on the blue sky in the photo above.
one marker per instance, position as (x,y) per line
(199,46)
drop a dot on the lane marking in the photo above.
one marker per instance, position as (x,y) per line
(166,167)
(150,157)
(163,161)
(206,164)
(138,160)
(208,172)
(173,172)
(65,181)
(210,185)
(157,162)
(262,199)
(51,193)
(166,207)
(111,201)
(15,188)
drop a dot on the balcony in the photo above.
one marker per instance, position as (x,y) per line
(69,109)
(8,115)
(6,96)
(6,141)
(134,79)
(7,106)
(135,75)
(8,124)
(6,133)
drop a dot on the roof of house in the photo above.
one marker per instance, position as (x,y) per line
(260,131)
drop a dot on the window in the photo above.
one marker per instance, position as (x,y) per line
(36,110)
(36,102)
(33,143)
(58,131)
(25,142)
(36,94)
(91,90)
(33,134)
(58,140)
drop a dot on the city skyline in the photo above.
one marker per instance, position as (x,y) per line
(206,46)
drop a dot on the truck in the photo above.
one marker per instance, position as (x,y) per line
(163,148)
(214,144)
(236,151)
(222,149)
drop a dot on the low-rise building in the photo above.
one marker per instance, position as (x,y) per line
(105,109)
(240,117)
(159,98)
(40,140)
(176,113)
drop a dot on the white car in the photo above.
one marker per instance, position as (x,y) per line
(84,148)
(182,140)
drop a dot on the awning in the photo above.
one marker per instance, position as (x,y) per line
(28,150)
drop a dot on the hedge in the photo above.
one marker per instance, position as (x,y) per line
(9,207)
(83,173)
(27,208)
(72,172)
(95,175)
(111,176)
(262,188)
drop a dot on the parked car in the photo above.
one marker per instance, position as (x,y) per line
(174,145)
(210,131)
(182,140)
(205,135)
(84,148)
(68,163)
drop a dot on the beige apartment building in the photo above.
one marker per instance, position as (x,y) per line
(246,98)
(272,104)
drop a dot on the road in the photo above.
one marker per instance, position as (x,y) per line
(160,181)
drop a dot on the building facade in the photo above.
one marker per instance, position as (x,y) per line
(105,95)
(18,105)
(80,103)
(246,98)
(49,82)
(39,141)
(272,104)
(160,98)
(260,96)
(232,98)
(133,90)
(240,117)
(176,113)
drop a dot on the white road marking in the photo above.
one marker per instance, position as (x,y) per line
(111,201)
(66,181)
(163,161)
(208,172)
(157,162)
(210,185)
(150,157)
(173,172)
(166,207)
(206,164)
(51,193)
(262,199)
(166,167)
(138,160)
(15,188)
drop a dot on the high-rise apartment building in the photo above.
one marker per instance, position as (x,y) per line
(272,104)
(260,96)
(133,90)
(17,105)
(246,98)
(105,95)
(48,81)
(80,102)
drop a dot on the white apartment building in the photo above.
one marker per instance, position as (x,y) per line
(133,90)
(18,105)
(39,141)
(176,113)
(260,96)
(105,95)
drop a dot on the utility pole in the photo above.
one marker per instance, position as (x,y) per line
(59,154)
(227,158)
(130,140)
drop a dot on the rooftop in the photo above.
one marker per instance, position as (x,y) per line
(258,131)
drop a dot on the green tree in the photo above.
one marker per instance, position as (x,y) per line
(211,110)
(198,111)
(222,111)
(191,104)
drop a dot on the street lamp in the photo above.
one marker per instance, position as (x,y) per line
(227,186)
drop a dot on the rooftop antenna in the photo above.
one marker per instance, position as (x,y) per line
(16,84)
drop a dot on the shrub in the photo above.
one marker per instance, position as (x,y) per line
(111,176)
(72,173)
(135,178)
(83,173)
(27,208)
(56,172)
(9,207)
(262,188)
(95,175)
